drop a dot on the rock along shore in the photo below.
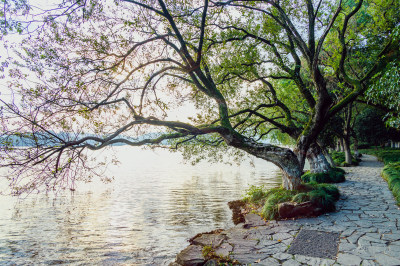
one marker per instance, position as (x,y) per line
(365,230)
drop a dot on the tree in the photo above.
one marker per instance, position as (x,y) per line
(108,73)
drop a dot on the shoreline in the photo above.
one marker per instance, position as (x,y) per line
(366,223)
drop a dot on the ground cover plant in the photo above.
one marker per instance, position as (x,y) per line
(334,175)
(321,196)
(391,171)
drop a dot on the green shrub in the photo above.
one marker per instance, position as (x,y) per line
(323,196)
(331,190)
(335,175)
(322,199)
(301,197)
(276,196)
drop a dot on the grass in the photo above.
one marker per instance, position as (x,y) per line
(340,159)
(335,175)
(391,171)
(323,196)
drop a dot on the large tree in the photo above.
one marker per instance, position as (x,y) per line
(110,72)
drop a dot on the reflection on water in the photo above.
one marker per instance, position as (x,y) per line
(144,217)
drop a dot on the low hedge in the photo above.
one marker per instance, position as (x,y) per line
(335,175)
(391,171)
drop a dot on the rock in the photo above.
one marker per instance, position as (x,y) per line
(291,209)
(237,214)
(224,250)
(192,255)
(213,240)
(211,263)
(253,220)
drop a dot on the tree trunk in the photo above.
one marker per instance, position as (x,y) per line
(284,158)
(317,160)
(347,151)
(341,145)
(356,153)
(328,157)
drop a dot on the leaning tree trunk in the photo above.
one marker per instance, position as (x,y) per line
(317,160)
(328,157)
(284,158)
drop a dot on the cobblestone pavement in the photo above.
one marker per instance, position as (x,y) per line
(367,219)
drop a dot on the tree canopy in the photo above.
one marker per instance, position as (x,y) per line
(98,73)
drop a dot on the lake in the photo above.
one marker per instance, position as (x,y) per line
(144,217)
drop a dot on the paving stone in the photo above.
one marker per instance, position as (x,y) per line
(354,237)
(348,259)
(268,262)
(347,247)
(282,236)
(248,258)
(307,260)
(394,248)
(347,232)
(386,260)
(377,249)
(327,262)
(392,237)
(368,263)
(252,220)
(291,262)
(270,250)
(282,256)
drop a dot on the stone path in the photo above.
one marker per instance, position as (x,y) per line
(368,221)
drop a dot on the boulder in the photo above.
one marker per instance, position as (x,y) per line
(192,255)
(213,240)
(293,210)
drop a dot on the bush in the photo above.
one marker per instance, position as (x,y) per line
(335,175)
(391,171)
(276,196)
(323,196)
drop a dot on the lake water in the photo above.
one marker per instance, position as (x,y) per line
(144,217)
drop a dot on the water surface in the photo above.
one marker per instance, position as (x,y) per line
(144,217)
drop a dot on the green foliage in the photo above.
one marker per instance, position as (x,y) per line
(323,196)
(301,197)
(386,90)
(335,175)
(255,194)
(274,197)
(340,160)
(370,128)
(391,171)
